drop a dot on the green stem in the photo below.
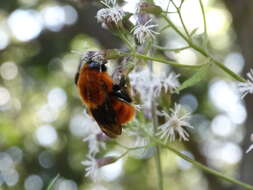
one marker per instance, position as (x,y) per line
(203,52)
(50,186)
(170,49)
(158,151)
(159,167)
(204,20)
(181,18)
(124,39)
(173,63)
(164,28)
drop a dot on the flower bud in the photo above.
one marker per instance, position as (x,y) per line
(106,161)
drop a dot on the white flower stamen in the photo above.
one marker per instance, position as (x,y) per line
(246,87)
(144,31)
(92,167)
(176,121)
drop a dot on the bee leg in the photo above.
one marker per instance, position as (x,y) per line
(120,91)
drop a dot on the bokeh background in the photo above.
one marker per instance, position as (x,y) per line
(41,117)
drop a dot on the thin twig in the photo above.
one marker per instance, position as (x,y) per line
(171,49)
(204,21)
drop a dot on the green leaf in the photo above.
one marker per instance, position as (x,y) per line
(193,32)
(50,186)
(196,78)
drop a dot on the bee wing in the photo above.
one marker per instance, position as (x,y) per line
(106,118)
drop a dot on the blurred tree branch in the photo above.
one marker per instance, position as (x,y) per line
(242,14)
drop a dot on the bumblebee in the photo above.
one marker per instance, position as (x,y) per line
(108,103)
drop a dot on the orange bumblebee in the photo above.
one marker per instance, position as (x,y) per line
(108,103)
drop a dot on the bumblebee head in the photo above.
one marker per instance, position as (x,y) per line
(93,60)
(96,66)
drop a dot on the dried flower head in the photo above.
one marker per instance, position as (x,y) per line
(142,32)
(175,125)
(246,87)
(106,161)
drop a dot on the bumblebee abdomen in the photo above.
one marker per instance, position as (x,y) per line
(94,87)
(124,111)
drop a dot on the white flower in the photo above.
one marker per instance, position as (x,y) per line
(246,87)
(170,83)
(142,32)
(94,143)
(112,13)
(92,167)
(149,85)
(176,121)
(251,146)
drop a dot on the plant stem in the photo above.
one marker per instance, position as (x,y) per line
(164,28)
(158,151)
(124,39)
(171,49)
(204,20)
(203,52)
(173,63)
(181,18)
(50,186)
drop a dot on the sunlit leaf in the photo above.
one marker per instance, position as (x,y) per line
(196,78)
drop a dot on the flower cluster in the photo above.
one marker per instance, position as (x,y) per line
(113,15)
(149,85)
(95,144)
(175,125)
